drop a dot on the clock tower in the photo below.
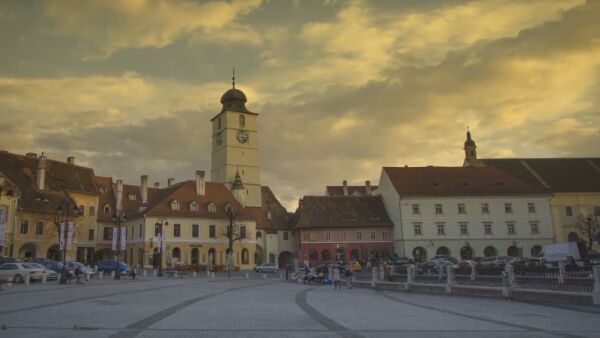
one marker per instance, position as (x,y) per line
(235,148)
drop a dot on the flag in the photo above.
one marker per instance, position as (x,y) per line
(123,238)
(114,239)
(69,235)
(2,222)
(156,243)
(61,238)
(164,243)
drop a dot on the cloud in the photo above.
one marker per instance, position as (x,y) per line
(104,27)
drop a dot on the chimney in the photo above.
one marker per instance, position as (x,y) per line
(119,196)
(71,160)
(41,172)
(368,187)
(144,188)
(345,186)
(200,189)
(156,185)
(170,181)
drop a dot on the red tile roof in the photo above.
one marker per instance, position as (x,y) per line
(456,181)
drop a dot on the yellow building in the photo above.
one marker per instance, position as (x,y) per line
(9,194)
(50,192)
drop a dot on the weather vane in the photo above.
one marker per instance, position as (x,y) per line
(233,79)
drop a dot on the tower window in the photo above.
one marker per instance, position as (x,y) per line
(242,120)
(219,123)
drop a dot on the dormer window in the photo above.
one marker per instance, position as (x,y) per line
(193,206)
(212,207)
(175,205)
(131,197)
(103,190)
(106,209)
(227,207)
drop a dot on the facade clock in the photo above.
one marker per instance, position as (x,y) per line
(242,136)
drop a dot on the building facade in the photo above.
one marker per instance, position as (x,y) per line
(464,212)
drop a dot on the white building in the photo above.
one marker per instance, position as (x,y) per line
(464,212)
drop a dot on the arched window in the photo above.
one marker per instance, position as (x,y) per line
(245,256)
(242,120)
(175,205)
(354,255)
(466,252)
(195,256)
(512,251)
(313,255)
(176,255)
(258,234)
(536,250)
(490,251)
(212,207)
(325,255)
(107,209)
(419,254)
(271,258)
(442,251)
(193,206)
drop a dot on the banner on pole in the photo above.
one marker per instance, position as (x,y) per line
(164,243)
(61,236)
(156,243)
(114,239)
(123,238)
(69,235)
(2,223)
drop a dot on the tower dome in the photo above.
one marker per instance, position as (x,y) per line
(234,99)
(469,142)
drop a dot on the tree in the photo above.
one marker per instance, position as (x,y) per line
(590,227)
(235,232)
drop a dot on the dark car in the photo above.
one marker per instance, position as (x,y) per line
(438,264)
(110,266)
(52,265)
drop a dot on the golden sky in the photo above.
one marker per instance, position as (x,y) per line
(342,87)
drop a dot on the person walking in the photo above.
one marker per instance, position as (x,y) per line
(336,279)
(349,275)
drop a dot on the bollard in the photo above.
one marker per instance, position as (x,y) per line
(175,274)
(596,292)
(100,274)
(264,276)
(212,275)
(195,274)
(145,273)
(27,279)
(381,271)
(95,267)
(154,272)
(373,276)
(44,279)
(410,276)
(561,272)
(207,273)
(112,275)
(246,275)
(449,278)
(473,270)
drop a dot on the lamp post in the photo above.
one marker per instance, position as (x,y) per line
(63,273)
(118,218)
(160,224)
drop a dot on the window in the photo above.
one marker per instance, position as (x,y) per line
(242,120)
(156,230)
(372,235)
(212,207)
(415,209)
(24,226)
(132,232)
(311,236)
(534,228)
(358,235)
(569,211)
(464,230)
(510,227)
(461,208)
(508,208)
(417,229)
(285,235)
(90,234)
(384,235)
(176,230)
(531,207)
(212,231)
(487,228)
(107,209)
(440,229)
(327,236)
(258,234)
(140,231)
(39,228)
(193,206)
(131,197)
(92,211)
(195,231)
(438,209)
(175,206)
(219,123)
(82,209)
(343,235)
(107,235)
(243,231)
(485,208)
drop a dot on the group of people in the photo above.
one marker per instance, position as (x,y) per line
(336,276)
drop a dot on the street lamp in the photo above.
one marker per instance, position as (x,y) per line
(159,224)
(63,273)
(119,217)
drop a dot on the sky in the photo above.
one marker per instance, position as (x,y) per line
(342,87)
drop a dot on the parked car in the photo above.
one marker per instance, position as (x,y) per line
(110,266)
(87,272)
(356,266)
(50,274)
(52,265)
(17,272)
(4,259)
(266,267)
(439,263)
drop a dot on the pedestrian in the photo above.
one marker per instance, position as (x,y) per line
(349,275)
(133,273)
(79,275)
(336,279)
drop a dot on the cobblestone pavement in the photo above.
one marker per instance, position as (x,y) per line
(258,307)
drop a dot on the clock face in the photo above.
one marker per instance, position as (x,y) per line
(242,136)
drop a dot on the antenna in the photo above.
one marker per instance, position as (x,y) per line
(233,79)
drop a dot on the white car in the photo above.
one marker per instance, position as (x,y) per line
(18,271)
(50,274)
(266,267)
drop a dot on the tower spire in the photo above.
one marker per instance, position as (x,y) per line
(233,79)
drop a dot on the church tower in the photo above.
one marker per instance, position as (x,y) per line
(471,152)
(235,148)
